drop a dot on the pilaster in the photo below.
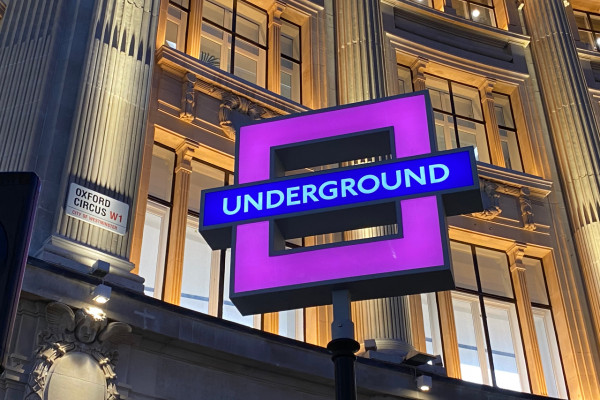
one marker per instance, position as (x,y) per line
(448,331)
(181,188)
(525,315)
(576,142)
(194,29)
(491,123)
(274,76)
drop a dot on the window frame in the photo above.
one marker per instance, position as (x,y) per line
(181,33)
(292,60)
(596,34)
(470,4)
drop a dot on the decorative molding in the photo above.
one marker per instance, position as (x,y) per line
(188,98)
(2,10)
(527,210)
(85,331)
(491,200)
(231,102)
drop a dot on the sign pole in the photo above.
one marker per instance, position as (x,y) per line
(343,346)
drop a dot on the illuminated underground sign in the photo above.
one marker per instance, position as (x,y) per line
(412,190)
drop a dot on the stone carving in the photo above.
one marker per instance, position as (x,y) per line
(491,201)
(527,210)
(232,102)
(85,332)
(188,98)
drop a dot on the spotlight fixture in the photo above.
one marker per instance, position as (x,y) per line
(424,383)
(475,13)
(100,269)
(101,293)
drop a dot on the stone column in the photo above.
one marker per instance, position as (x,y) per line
(176,246)
(194,29)
(573,132)
(361,76)
(525,315)
(491,123)
(108,125)
(274,83)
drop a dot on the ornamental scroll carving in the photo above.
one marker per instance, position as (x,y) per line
(242,105)
(491,201)
(85,333)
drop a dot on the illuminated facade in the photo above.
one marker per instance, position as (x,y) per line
(140,99)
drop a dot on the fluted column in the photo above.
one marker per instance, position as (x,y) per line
(109,121)
(573,131)
(274,83)
(361,76)
(181,190)
(491,123)
(525,314)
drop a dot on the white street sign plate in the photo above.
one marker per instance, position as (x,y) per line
(97,209)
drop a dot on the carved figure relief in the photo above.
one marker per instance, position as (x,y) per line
(188,99)
(527,210)
(83,339)
(241,104)
(491,201)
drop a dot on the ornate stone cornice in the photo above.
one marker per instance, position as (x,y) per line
(491,200)
(85,331)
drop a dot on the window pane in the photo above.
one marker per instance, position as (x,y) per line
(218,11)
(466,101)
(493,272)
(251,23)
(510,150)
(444,131)
(587,37)
(171,34)
(203,177)
(215,47)
(595,19)
(291,324)
(439,92)
(473,134)
(462,264)
(503,111)
(404,80)
(290,40)
(553,373)
(505,339)
(161,173)
(581,20)
(471,343)
(483,15)
(425,2)
(290,80)
(195,281)
(250,62)
(534,275)
(431,324)
(154,244)
(230,312)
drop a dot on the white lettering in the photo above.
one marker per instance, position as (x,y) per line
(432,169)
(309,191)
(292,193)
(258,204)
(238,205)
(347,185)
(270,194)
(421,178)
(362,180)
(332,193)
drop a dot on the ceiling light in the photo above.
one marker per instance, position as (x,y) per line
(101,293)
(424,383)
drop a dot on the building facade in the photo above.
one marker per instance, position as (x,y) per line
(139,100)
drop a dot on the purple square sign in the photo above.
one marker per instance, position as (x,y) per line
(415,262)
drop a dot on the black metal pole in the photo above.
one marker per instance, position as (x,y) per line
(343,346)
(343,357)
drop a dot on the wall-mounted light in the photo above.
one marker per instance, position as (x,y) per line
(475,13)
(101,293)
(424,383)
(100,269)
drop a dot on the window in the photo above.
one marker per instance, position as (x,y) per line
(234,39)
(424,2)
(507,131)
(481,11)
(431,324)
(290,61)
(156,225)
(404,80)
(458,116)
(177,17)
(588,25)
(487,328)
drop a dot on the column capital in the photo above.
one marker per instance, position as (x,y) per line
(487,88)
(185,152)
(516,252)
(418,67)
(275,11)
